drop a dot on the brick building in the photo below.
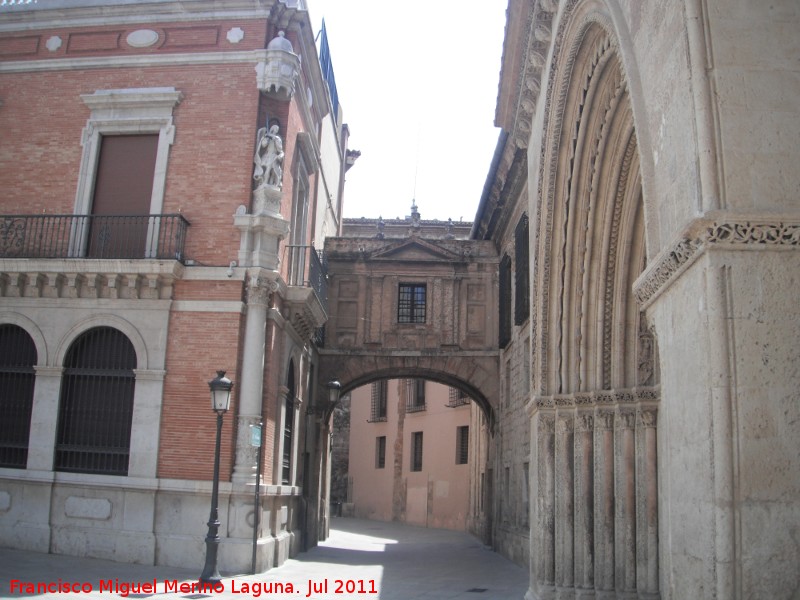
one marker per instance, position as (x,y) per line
(175,165)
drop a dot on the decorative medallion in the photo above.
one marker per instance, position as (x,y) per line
(142,38)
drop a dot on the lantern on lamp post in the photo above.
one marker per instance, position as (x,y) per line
(220,388)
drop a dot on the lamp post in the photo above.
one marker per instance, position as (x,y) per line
(326,409)
(221,388)
(334,389)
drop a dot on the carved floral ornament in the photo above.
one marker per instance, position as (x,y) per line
(744,235)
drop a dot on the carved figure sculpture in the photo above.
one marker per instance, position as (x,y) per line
(269,157)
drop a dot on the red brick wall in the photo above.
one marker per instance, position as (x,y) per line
(199,344)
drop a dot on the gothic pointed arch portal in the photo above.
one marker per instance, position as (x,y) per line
(594,516)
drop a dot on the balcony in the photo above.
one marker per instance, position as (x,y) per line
(308,290)
(154,237)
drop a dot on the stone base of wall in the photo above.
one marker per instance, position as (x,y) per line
(152,522)
(513,543)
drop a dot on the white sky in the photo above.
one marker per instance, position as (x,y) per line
(418,87)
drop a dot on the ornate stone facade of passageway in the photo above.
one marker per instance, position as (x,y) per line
(413,307)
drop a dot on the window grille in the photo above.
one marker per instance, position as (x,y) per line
(288,430)
(380,452)
(411,303)
(462,445)
(379,397)
(505,301)
(17,359)
(96,408)
(416,451)
(415,397)
(521,272)
(457,398)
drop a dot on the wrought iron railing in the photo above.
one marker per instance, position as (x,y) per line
(307,268)
(93,236)
(457,398)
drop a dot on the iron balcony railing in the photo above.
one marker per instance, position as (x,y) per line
(93,236)
(307,268)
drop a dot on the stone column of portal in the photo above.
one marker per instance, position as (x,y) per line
(565,500)
(251,385)
(625,501)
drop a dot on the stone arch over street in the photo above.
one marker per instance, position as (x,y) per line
(474,375)
(445,332)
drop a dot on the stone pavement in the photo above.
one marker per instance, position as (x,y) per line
(361,559)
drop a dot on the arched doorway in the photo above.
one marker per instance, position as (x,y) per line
(594,517)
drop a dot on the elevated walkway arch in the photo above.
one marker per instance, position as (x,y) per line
(449,333)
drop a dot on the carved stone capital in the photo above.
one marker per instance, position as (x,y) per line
(648,418)
(626,419)
(565,425)
(584,421)
(259,291)
(604,419)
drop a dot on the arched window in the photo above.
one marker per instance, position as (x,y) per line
(17,357)
(94,421)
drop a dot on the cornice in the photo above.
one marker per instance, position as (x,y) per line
(69,13)
(138,60)
(723,231)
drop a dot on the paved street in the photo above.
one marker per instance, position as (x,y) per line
(361,559)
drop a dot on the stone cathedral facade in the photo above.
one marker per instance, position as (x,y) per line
(644,202)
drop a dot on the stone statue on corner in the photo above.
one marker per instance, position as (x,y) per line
(269,157)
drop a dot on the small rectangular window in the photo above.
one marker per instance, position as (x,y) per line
(380,452)
(521,273)
(462,445)
(505,301)
(416,451)
(415,401)
(379,396)
(411,302)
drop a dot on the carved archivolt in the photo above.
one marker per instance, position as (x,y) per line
(588,241)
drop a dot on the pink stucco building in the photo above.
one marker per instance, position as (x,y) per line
(410,453)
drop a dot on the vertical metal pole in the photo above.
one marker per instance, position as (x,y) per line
(257,498)
(210,572)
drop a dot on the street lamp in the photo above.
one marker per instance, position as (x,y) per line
(221,388)
(334,390)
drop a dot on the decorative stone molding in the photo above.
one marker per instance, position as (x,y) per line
(277,72)
(664,269)
(235,35)
(770,234)
(142,38)
(53,43)
(745,234)
(306,313)
(598,398)
(127,111)
(110,279)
